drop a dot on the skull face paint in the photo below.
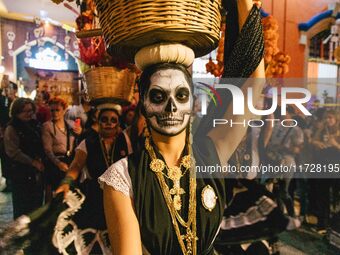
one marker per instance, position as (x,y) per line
(168,102)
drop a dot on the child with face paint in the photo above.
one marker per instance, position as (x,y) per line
(153,202)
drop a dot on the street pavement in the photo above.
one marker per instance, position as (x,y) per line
(302,241)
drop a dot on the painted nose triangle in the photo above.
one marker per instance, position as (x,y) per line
(171,106)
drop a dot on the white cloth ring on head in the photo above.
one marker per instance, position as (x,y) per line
(164,53)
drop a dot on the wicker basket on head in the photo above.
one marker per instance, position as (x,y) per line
(109,84)
(130,25)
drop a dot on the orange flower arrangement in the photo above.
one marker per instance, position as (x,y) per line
(60,1)
(92,50)
(217,68)
(276,61)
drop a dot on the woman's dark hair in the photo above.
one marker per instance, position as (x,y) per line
(134,127)
(91,117)
(144,81)
(18,106)
(45,96)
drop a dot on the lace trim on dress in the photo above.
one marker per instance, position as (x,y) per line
(117,176)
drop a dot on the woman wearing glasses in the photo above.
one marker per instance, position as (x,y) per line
(93,156)
(58,140)
(23,147)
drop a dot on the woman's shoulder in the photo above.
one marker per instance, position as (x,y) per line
(47,125)
(117,176)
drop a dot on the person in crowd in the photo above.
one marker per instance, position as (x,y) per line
(327,151)
(23,146)
(154,202)
(132,137)
(43,113)
(91,125)
(304,157)
(93,156)
(286,142)
(78,112)
(128,116)
(5,103)
(59,142)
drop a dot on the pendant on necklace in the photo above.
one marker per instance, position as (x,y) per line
(209,198)
(177,191)
(189,237)
(175,175)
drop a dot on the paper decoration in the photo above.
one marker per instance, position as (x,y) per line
(76,53)
(37,21)
(10,45)
(38,32)
(41,42)
(75,45)
(55,48)
(11,36)
(54,39)
(28,53)
(67,40)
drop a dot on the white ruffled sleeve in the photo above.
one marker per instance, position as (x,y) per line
(117,176)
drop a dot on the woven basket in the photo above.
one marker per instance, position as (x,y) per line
(110,84)
(129,25)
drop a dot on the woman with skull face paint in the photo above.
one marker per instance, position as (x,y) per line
(93,156)
(153,202)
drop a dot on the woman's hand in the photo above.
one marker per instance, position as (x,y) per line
(63,188)
(319,145)
(62,166)
(38,165)
(77,130)
(333,142)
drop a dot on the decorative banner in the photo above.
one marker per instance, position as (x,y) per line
(11,38)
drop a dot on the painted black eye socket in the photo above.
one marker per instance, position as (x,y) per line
(183,95)
(157,96)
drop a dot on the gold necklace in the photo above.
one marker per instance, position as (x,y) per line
(188,240)
(106,154)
